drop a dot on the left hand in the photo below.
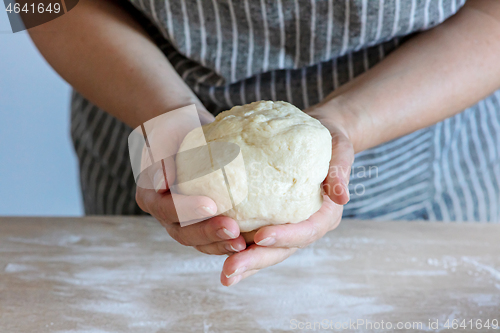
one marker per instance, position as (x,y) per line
(274,244)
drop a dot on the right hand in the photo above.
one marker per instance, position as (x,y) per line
(216,235)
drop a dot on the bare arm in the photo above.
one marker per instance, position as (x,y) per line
(106,55)
(432,77)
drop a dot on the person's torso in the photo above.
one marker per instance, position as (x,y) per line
(238,39)
(236,52)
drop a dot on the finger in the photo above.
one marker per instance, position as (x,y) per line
(248,236)
(162,206)
(337,180)
(224,247)
(303,233)
(235,279)
(216,229)
(254,257)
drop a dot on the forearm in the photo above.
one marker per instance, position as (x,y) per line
(104,54)
(435,75)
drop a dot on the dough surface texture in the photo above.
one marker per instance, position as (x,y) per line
(286,156)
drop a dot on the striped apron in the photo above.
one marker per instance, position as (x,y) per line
(233,52)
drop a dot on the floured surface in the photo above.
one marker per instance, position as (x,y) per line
(125,274)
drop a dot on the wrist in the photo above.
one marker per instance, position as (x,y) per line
(349,118)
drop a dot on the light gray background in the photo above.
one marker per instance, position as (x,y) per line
(38,168)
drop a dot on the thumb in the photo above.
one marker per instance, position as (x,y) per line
(337,180)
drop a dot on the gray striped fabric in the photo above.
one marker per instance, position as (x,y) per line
(235,52)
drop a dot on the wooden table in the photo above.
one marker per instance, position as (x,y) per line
(124,274)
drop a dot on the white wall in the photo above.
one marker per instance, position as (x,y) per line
(38,167)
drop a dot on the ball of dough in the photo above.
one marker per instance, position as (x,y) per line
(286,156)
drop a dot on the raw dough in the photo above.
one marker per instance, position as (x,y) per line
(286,157)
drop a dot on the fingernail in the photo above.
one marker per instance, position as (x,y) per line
(267,241)
(236,280)
(159,180)
(204,211)
(224,234)
(237,272)
(230,248)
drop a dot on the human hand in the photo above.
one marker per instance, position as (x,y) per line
(274,244)
(217,235)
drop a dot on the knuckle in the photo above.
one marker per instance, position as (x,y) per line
(159,210)
(182,239)
(176,234)
(200,249)
(314,235)
(317,231)
(209,249)
(163,223)
(205,231)
(221,249)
